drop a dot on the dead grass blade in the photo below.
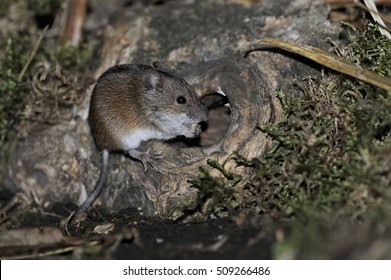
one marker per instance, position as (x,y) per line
(323,58)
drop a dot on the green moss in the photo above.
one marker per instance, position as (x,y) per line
(215,197)
(11,89)
(370,49)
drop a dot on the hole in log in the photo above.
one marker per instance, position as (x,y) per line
(218,119)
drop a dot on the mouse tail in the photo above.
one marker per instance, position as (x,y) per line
(97,189)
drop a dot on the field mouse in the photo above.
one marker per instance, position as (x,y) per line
(132,103)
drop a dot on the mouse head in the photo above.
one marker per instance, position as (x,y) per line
(172,103)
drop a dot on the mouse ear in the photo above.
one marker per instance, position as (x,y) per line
(150,79)
(163,67)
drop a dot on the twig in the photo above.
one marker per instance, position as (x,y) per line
(75,16)
(33,53)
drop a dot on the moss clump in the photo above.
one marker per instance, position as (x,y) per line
(12,89)
(215,197)
(370,49)
(332,144)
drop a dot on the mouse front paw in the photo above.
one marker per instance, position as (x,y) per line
(146,158)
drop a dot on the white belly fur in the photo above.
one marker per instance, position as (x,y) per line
(133,140)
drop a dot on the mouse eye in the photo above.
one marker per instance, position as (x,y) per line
(181,99)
